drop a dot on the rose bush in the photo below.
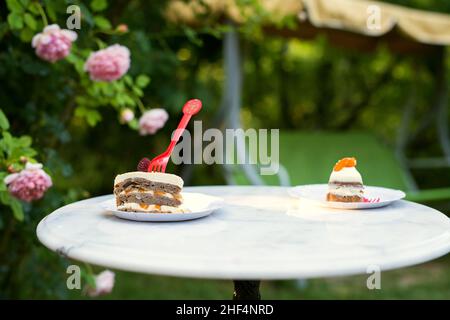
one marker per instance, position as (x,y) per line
(90,98)
(76,95)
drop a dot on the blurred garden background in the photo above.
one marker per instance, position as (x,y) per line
(85,131)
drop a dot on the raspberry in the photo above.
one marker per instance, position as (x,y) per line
(143,164)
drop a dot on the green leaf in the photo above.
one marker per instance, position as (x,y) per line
(15,20)
(102,23)
(128,101)
(34,8)
(28,152)
(17,209)
(26,35)
(79,65)
(24,3)
(2,183)
(88,277)
(134,124)
(24,141)
(7,136)
(5,197)
(119,99)
(128,80)
(142,80)
(7,143)
(138,91)
(18,152)
(4,123)
(99,5)
(30,21)
(14,6)
(92,116)
(106,88)
(192,36)
(51,9)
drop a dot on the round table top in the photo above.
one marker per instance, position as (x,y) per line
(260,233)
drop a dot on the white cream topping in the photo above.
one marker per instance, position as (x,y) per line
(152,176)
(347,174)
(150,192)
(152,208)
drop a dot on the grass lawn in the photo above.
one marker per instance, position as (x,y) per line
(426,281)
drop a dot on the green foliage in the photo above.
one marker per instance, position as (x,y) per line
(73,121)
(4,123)
(99,5)
(24,18)
(12,151)
(30,21)
(14,6)
(102,23)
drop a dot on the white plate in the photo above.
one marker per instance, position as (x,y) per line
(200,205)
(317,194)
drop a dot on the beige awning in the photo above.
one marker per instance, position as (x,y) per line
(352,23)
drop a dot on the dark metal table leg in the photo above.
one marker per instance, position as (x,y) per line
(246,290)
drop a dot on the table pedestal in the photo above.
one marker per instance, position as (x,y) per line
(246,290)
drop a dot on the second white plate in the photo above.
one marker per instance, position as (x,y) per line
(317,194)
(199,204)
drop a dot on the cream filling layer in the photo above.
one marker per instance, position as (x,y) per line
(152,208)
(345,191)
(150,192)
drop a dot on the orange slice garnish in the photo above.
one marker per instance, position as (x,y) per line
(345,163)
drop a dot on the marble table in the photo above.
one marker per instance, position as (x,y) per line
(261,233)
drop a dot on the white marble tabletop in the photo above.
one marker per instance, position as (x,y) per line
(261,233)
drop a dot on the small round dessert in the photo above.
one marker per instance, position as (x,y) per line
(345,183)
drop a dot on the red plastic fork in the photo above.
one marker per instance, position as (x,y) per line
(159,163)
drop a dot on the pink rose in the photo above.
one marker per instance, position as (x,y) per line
(104,283)
(153,120)
(126,115)
(108,64)
(29,184)
(53,43)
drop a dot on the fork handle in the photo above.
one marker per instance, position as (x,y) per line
(179,131)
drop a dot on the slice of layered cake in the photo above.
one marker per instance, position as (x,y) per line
(345,184)
(152,192)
